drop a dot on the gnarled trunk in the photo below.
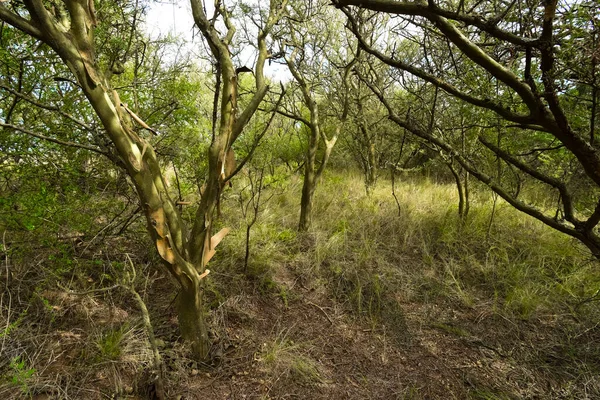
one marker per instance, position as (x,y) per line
(312,177)
(165,225)
(309,184)
(72,39)
(192,324)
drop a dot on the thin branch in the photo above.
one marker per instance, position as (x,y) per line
(540,150)
(257,139)
(447,87)
(295,117)
(555,183)
(481,176)
(53,140)
(20,23)
(46,107)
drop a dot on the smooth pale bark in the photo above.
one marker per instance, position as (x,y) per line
(185,261)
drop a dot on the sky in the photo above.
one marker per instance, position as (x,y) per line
(175,17)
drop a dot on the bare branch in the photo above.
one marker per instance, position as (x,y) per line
(476,172)
(47,107)
(53,140)
(257,139)
(431,10)
(452,90)
(555,183)
(294,117)
(20,23)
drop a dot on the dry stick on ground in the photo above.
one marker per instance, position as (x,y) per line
(158,366)
(4,335)
(322,310)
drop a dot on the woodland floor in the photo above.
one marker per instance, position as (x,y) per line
(291,333)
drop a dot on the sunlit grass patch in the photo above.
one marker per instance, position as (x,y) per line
(283,358)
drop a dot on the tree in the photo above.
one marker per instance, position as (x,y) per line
(504,58)
(308,49)
(370,133)
(68,29)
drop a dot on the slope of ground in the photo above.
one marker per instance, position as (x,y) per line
(375,302)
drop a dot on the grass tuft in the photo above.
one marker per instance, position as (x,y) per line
(283,358)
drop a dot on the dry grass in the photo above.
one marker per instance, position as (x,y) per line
(373,302)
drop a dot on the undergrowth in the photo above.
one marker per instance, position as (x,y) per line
(383,266)
(377,260)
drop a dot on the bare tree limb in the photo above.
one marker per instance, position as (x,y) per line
(46,107)
(555,183)
(431,10)
(53,140)
(20,23)
(447,87)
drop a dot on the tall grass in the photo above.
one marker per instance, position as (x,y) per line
(362,253)
(370,254)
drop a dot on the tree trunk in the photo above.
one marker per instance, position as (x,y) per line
(311,180)
(192,324)
(371,178)
(461,191)
(466,191)
(393,176)
(310,175)
(369,163)
(592,242)
(165,225)
(465,172)
(247,255)
(308,189)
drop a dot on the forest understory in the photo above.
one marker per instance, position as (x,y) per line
(379,300)
(405,196)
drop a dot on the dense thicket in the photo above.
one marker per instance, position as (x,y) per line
(505,92)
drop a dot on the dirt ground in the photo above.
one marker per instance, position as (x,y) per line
(286,337)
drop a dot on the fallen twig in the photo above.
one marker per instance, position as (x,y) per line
(323,311)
